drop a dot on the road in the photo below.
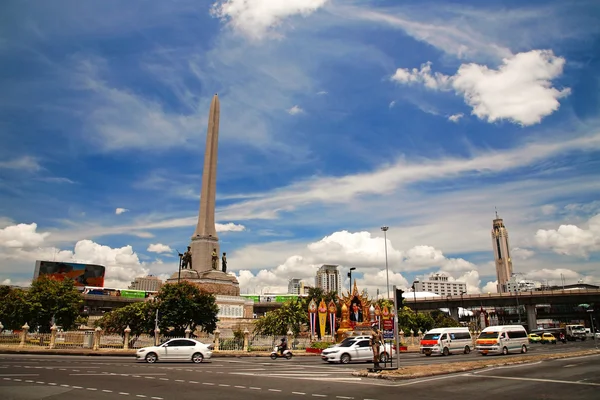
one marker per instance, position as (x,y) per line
(30,377)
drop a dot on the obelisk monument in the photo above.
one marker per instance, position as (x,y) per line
(205,238)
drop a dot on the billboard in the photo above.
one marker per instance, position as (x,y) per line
(82,274)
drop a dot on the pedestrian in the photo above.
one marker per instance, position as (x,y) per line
(376,342)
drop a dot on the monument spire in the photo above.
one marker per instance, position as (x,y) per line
(205,238)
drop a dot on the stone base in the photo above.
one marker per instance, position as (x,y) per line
(213,282)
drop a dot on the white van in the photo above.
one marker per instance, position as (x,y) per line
(446,341)
(502,339)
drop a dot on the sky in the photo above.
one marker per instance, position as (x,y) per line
(338,117)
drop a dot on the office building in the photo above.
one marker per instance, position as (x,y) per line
(148,283)
(328,278)
(295,286)
(440,284)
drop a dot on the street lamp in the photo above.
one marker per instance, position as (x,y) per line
(415,295)
(517,288)
(350,276)
(462,304)
(387,275)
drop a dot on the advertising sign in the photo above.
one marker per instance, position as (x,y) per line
(82,274)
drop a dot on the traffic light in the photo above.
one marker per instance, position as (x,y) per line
(399,299)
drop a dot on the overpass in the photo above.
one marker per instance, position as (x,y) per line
(569,298)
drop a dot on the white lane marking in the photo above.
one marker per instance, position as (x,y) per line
(319,395)
(41,383)
(224,385)
(514,378)
(274,390)
(570,365)
(19,374)
(163,379)
(52,384)
(91,389)
(139,395)
(179,380)
(344,397)
(300,393)
(240,387)
(432,379)
(77,387)
(192,382)
(124,393)
(64,385)
(17,380)
(208,383)
(254,388)
(157,398)
(106,391)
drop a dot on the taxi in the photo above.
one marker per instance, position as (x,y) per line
(548,338)
(534,338)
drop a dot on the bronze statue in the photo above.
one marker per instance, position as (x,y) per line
(224,262)
(215,259)
(186,259)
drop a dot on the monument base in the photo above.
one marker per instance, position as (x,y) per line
(213,282)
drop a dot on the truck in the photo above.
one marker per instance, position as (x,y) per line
(574,332)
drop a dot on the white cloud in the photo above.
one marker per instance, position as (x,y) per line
(455,117)
(21,235)
(159,248)
(24,163)
(257,18)
(548,209)
(521,254)
(570,239)
(295,110)
(229,227)
(490,287)
(520,90)
(392,104)
(120,210)
(322,92)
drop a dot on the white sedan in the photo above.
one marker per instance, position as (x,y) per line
(355,350)
(175,350)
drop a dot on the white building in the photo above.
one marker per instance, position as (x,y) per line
(441,285)
(515,285)
(295,286)
(328,278)
(148,283)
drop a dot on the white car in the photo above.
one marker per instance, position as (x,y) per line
(175,350)
(355,350)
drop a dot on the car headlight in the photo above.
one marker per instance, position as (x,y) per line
(141,350)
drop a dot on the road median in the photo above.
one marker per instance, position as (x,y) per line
(422,371)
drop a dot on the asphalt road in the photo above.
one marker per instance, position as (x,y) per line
(24,377)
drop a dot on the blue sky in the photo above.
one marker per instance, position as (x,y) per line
(337,117)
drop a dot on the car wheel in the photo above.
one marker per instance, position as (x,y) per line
(523,349)
(197,358)
(446,351)
(345,359)
(467,350)
(151,358)
(384,358)
(505,350)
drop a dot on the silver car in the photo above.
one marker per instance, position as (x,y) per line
(355,350)
(176,350)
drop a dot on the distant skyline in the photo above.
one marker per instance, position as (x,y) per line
(337,117)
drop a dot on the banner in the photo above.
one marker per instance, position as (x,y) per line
(312,313)
(378,316)
(332,311)
(322,317)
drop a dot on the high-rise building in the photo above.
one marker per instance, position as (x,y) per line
(295,286)
(504,268)
(440,284)
(149,283)
(328,278)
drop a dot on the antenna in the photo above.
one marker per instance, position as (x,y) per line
(496,212)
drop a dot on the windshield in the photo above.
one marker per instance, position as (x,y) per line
(578,328)
(488,335)
(347,344)
(431,336)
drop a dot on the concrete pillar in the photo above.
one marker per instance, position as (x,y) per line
(412,337)
(246,339)
(401,336)
(419,336)
(24,334)
(290,338)
(187,332)
(454,313)
(531,316)
(97,338)
(217,335)
(1,327)
(126,341)
(156,336)
(53,330)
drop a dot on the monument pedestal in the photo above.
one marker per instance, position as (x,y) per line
(211,281)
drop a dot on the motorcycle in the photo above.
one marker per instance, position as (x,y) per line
(287,354)
(562,338)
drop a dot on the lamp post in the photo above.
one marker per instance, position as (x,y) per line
(517,296)
(180,261)
(350,276)
(415,295)
(387,276)
(462,304)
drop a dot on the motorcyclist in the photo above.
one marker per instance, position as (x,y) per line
(283,345)
(561,337)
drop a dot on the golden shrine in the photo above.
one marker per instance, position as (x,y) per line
(358,313)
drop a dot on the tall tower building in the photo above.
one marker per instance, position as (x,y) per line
(328,279)
(504,269)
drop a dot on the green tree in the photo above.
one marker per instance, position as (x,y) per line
(140,318)
(183,305)
(50,298)
(292,315)
(14,307)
